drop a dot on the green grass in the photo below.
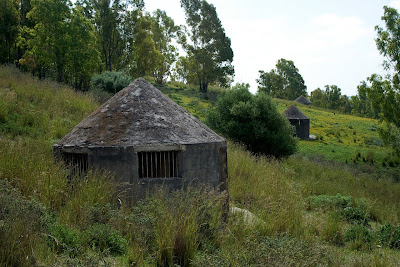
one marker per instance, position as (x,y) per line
(344,138)
(311,212)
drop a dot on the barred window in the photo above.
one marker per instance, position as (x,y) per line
(158,164)
(77,162)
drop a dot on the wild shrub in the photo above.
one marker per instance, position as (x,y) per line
(110,81)
(327,202)
(256,249)
(23,223)
(389,235)
(254,121)
(359,237)
(106,239)
(352,210)
(64,239)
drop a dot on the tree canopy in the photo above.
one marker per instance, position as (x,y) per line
(207,47)
(384,93)
(283,82)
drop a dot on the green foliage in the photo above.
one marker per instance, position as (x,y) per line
(332,98)
(9,27)
(164,31)
(389,235)
(384,93)
(208,48)
(361,104)
(359,236)
(283,82)
(22,222)
(254,121)
(145,54)
(353,210)
(110,81)
(106,239)
(63,239)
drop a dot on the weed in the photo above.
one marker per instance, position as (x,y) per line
(389,236)
(22,223)
(359,237)
(106,239)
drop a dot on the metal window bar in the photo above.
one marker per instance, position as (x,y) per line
(77,162)
(159,164)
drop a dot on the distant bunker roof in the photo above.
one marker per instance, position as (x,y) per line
(293,113)
(302,100)
(138,115)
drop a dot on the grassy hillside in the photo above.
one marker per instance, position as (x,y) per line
(344,138)
(309,212)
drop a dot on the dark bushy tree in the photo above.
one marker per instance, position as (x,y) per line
(110,81)
(254,121)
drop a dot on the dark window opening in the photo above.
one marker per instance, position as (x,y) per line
(158,164)
(77,162)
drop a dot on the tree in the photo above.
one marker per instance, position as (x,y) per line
(83,58)
(9,26)
(254,121)
(283,82)
(385,93)
(107,19)
(206,44)
(271,83)
(333,94)
(319,98)
(49,43)
(164,31)
(361,104)
(145,56)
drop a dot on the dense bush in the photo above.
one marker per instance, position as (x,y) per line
(22,222)
(353,210)
(110,81)
(389,235)
(359,236)
(254,121)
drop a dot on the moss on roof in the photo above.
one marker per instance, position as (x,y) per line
(139,114)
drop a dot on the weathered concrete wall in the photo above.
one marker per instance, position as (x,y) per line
(302,128)
(204,164)
(200,164)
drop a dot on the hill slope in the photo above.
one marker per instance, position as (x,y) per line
(312,213)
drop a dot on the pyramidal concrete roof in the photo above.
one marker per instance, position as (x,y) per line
(138,115)
(294,113)
(301,99)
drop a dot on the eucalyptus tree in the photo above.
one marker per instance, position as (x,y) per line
(49,45)
(206,44)
(9,27)
(164,31)
(107,19)
(83,58)
(145,55)
(283,82)
(384,93)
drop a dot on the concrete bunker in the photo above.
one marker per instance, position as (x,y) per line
(300,121)
(147,141)
(303,100)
